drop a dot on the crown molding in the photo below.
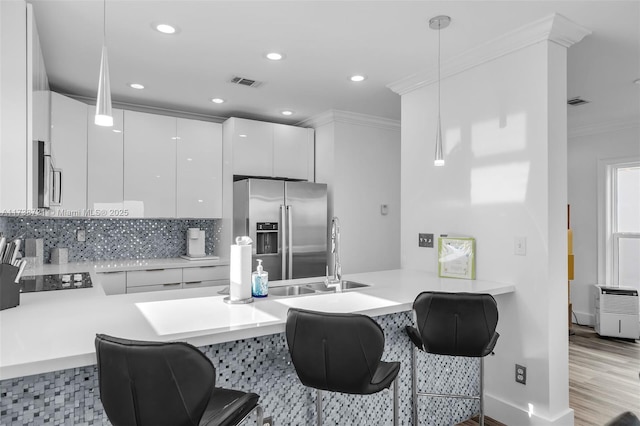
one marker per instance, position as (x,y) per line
(603,127)
(338,116)
(555,28)
(152,110)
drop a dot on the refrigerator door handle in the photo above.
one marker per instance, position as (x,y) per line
(290,238)
(283,242)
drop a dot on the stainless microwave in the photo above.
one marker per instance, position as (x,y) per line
(49,178)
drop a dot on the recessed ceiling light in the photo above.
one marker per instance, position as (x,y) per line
(166,29)
(243,136)
(136,86)
(286,112)
(217,100)
(357,78)
(117,131)
(275,56)
(637,81)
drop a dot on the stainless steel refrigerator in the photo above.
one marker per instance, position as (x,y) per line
(287,222)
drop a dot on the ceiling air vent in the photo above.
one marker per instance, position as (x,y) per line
(242,81)
(577,101)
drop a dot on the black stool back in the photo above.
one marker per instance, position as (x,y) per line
(157,383)
(339,353)
(457,324)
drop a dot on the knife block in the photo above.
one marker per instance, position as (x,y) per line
(9,290)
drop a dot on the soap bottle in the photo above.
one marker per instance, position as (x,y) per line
(260,281)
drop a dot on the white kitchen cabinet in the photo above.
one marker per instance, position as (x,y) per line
(271,150)
(105,166)
(252,147)
(293,152)
(199,169)
(149,165)
(113,282)
(69,151)
(154,279)
(206,273)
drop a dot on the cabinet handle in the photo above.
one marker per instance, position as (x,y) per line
(172,284)
(110,272)
(153,270)
(193,282)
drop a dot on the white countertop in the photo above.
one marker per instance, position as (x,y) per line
(122,265)
(55,330)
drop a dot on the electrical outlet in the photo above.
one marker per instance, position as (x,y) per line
(425,240)
(81,235)
(521,374)
(267,421)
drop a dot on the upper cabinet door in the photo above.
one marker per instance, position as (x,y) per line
(149,165)
(252,145)
(69,151)
(199,169)
(292,152)
(105,153)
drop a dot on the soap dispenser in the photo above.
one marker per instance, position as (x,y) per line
(260,281)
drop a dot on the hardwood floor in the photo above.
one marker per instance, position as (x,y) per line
(604,377)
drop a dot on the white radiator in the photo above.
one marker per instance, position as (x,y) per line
(617,312)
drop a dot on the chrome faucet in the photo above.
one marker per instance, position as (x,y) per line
(335,250)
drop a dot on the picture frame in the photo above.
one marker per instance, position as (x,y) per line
(457,257)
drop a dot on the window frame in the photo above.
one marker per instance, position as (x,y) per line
(608,237)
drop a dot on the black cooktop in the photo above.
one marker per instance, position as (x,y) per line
(30,284)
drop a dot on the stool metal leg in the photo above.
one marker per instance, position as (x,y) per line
(319,406)
(395,401)
(481,391)
(414,386)
(259,415)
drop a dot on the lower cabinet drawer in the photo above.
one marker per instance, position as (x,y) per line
(158,287)
(113,282)
(205,273)
(153,277)
(198,284)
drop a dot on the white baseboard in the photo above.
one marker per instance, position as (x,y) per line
(507,413)
(584,318)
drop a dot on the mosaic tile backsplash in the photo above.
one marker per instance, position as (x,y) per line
(109,239)
(262,365)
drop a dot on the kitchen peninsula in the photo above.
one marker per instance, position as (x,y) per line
(47,356)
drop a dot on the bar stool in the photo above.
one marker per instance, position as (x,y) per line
(455,324)
(156,383)
(340,353)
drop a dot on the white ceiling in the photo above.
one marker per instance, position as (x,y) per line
(324,42)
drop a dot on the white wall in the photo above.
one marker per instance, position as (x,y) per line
(359,160)
(504,123)
(584,153)
(13,105)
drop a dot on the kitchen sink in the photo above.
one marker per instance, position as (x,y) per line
(309,288)
(314,288)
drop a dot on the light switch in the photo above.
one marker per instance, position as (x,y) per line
(520,246)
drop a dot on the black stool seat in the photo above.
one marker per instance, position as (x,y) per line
(339,353)
(165,383)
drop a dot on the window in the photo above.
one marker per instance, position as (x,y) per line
(622,222)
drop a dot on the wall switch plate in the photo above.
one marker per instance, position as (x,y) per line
(81,235)
(425,240)
(267,421)
(520,246)
(521,374)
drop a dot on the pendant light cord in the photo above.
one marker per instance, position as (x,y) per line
(439,29)
(104,22)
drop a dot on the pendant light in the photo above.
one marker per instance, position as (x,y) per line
(439,23)
(104,116)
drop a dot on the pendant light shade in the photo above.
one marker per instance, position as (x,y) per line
(104,116)
(438,23)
